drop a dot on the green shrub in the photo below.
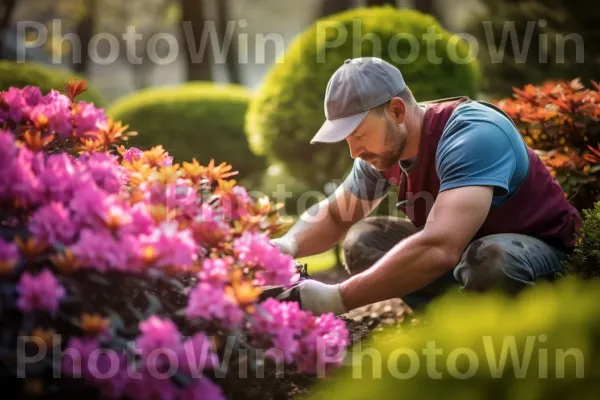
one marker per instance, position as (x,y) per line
(288,108)
(585,260)
(195,120)
(45,77)
(549,338)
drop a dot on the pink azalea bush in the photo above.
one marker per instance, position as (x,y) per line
(78,205)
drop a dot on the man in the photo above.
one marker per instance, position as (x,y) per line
(483,211)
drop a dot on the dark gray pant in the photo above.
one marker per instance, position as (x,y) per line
(508,262)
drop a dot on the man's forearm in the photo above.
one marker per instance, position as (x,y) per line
(410,265)
(316,231)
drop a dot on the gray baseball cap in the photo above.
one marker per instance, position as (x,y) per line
(357,86)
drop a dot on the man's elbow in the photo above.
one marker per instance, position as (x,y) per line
(445,258)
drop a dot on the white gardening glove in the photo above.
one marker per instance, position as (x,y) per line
(286,245)
(317,297)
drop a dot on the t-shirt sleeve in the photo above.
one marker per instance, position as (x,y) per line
(475,153)
(366,182)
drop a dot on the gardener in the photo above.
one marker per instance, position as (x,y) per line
(483,211)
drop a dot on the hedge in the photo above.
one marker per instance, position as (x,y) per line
(288,108)
(194,120)
(45,77)
(549,339)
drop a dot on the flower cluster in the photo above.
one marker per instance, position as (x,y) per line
(160,353)
(561,120)
(287,332)
(47,121)
(138,213)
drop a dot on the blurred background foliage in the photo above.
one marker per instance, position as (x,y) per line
(238,80)
(200,120)
(541,345)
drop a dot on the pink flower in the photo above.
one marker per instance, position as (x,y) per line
(145,385)
(19,103)
(133,154)
(197,355)
(105,170)
(210,303)
(7,156)
(9,253)
(75,357)
(40,292)
(52,223)
(99,250)
(216,269)
(203,389)
(25,186)
(56,109)
(278,327)
(174,247)
(59,177)
(90,205)
(273,267)
(88,118)
(323,344)
(158,333)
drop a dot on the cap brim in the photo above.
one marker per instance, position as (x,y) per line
(337,130)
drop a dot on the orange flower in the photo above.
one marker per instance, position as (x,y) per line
(46,337)
(242,291)
(196,172)
(115,131)
(149,255)
(93,324)
(30,248)
(65,262)
(35,142)
(74,88)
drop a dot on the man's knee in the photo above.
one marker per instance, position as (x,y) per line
(488,266)
(358,255)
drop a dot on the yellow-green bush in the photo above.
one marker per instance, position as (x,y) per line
(288,108)
(45,77)
(549,338)
(194,120)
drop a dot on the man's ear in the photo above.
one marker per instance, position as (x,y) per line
(397,110)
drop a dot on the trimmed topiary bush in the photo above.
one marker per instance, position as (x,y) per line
(543,345)
(194,120)
(288,109)
(45,77)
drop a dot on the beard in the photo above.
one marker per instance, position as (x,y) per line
(394,141)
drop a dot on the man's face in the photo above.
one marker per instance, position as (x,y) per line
(378,140)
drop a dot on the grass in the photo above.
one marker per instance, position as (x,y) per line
(319,262)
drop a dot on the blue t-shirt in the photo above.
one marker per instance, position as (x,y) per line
(479,146)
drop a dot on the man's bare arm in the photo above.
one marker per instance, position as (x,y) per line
(323,225)
(425,256)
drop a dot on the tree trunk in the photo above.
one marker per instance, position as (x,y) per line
(381,2)
(7,10)
(329,7)
(231,58)
(192,26)
(85,31)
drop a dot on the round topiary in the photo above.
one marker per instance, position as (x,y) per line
(543,345)
(45,77)
(198,120)
(288,108)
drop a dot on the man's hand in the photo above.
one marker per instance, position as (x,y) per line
(315,296)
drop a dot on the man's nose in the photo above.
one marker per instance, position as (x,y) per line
(354,150)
